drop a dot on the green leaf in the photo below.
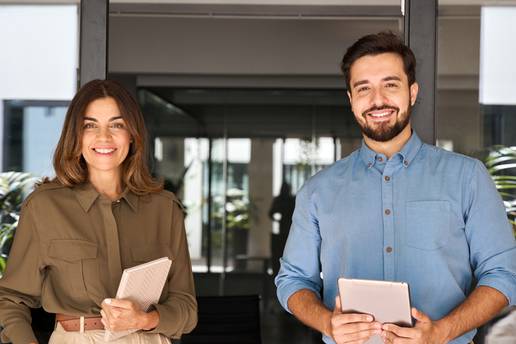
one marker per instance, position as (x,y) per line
(497,160)
(501,165)
(504,178)
(2,266)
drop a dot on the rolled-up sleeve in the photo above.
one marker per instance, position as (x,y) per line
(20,286)
(178,312)
(300,266)
(490,236)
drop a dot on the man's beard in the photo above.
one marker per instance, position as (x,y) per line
(384,132)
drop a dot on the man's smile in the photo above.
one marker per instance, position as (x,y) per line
(383,114)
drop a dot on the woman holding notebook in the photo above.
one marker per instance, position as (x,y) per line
(101,214)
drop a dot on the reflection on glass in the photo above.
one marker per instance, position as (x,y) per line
(296,160)
(38,69)
(228,184)
(30,135)
(476,100)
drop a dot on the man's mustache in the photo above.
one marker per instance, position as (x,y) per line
(382,107)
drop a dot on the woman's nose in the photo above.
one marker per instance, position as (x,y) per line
(103,133)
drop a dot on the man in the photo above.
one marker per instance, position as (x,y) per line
(398,210)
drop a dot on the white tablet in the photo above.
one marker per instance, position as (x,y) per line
(387,302)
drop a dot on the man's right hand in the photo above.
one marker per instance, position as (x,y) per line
(352,328)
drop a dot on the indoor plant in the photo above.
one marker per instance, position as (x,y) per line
(501,165)
(13,188)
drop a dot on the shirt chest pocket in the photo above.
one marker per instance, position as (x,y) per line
(428,224)
(69,258)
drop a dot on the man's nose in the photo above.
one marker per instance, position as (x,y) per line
(377,97)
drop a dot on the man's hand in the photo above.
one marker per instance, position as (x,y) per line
(120,315)
(352,328)
(426,331)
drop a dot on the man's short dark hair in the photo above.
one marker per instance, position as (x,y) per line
(374,44)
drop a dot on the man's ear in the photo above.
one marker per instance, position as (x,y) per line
(350,100)
(414,89)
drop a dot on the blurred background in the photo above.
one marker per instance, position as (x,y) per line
(244,102)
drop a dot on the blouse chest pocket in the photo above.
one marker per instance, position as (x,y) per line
(72,250)
(69,258)
(428,224)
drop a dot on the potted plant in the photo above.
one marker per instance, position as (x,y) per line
(13,188)
(237,222)
(501,165)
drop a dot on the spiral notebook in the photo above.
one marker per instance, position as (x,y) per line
(142,284)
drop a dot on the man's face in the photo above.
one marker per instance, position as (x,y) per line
(380,96)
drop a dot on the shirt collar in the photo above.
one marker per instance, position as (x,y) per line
(410,149)
(407,153)
(87,195)
(367,155)
(131,199)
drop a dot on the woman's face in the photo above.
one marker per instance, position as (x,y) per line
(105,138)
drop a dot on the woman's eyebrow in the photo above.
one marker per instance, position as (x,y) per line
(95,120)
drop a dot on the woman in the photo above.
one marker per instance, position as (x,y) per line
(102,213)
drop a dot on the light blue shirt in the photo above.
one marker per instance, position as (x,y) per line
(425,216)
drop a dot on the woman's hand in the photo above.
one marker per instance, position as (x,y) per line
(121,314)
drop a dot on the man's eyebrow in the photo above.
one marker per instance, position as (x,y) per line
(393,77)
(95,120)
(361,82)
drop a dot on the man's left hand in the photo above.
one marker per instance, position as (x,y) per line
(120,314)
(425,331)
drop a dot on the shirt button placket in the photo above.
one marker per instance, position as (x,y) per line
(388,224)
(111,231)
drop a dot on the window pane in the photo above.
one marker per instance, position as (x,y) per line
(38,67)
(476,103)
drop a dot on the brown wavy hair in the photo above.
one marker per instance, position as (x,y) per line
(71,168)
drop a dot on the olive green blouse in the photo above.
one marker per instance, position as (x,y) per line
(70,249)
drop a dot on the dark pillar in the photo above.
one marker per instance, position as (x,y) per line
(421,36)
(93,40)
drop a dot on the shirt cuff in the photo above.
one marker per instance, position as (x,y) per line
(21,332)
(504,285)
(170,323)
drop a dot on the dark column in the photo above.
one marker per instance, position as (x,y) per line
(93,40)
(128,81)
(421,37)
